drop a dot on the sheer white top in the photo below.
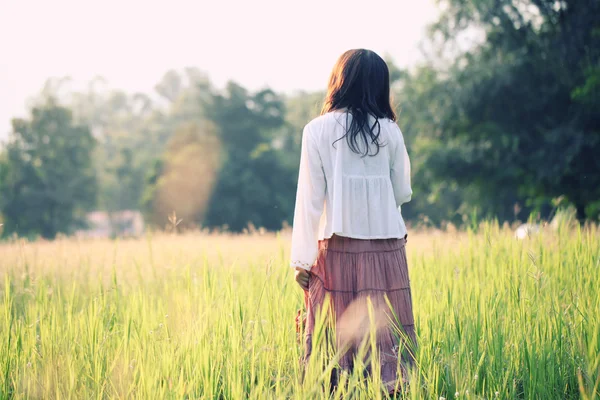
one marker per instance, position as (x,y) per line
(341,192)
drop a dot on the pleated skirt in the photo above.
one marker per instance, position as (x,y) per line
(347,273)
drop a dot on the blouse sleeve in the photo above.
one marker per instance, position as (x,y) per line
(310,201)
(400,173)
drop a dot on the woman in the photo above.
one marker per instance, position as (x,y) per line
(348,241)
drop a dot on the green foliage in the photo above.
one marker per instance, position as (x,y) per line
(500,120)
(300,108)
(256,149)
(48,179)
(519,116)
(3,175)
(182,181)
(255,186)
(134,129)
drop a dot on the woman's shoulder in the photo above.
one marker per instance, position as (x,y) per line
(323,123)
(325,119)
(339,118)
(392,127)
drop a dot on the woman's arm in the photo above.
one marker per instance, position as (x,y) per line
(310,201)
(400,172)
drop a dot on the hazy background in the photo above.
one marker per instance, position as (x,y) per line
(284,45)
(120,114)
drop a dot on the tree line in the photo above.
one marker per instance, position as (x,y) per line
(500,128)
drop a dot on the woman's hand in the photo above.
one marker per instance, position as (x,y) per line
(302,278)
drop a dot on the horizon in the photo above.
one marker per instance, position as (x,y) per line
(133,45)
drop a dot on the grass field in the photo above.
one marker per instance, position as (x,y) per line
(212,316)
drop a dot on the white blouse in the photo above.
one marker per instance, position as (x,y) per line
(340,192)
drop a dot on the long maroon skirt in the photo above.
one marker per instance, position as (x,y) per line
(346,273)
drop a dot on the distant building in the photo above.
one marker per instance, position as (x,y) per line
(102,224)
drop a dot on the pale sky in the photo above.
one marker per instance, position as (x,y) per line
(287,45)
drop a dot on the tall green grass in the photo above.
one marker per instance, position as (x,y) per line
(198,316)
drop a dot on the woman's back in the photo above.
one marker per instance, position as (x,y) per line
(346,193)
(332,126)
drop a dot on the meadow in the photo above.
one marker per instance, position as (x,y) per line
(201,315)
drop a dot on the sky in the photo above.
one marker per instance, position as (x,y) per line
(286,45)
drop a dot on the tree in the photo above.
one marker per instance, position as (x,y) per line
(132,129)
(170,86)
(48,176)
(300,108)
(519,120)
(255,185)
(3,172)
(125,148)
(183,180)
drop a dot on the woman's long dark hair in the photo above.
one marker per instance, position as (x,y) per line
(360,85)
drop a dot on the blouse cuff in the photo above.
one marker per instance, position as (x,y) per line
(300,264)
